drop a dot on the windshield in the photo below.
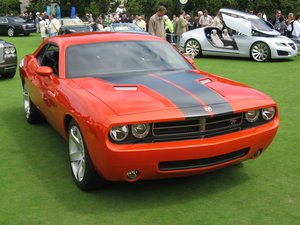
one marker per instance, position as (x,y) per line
(122,57)
(259,24)
(20,20)
(71,22)
(126,27)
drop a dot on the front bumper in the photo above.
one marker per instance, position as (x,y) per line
(113,161)
(8,65)
(280,52)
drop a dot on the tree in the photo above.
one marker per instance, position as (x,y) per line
(9,7)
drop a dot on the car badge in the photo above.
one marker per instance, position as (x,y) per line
(233,121)
(208,109)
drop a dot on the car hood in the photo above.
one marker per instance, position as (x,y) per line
(190,92)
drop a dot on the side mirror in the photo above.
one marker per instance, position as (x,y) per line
(44,71)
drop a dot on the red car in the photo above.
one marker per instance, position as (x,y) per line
(133,108)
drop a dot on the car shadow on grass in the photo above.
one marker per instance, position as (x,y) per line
(45,152)
(226,58)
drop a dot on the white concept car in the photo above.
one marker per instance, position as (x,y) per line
(245,35)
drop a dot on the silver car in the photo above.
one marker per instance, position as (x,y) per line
(246,35)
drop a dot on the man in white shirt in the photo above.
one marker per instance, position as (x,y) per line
(205,20)
(54,26)
(296,26)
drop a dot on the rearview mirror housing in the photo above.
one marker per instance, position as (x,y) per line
(44,71)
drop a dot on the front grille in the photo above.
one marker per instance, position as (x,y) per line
(293,46)
(198,126)
(202,163)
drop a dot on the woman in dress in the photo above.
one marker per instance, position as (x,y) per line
(43,27)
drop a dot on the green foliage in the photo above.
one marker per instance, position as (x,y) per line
(9,7)
(148,7)
(134,7)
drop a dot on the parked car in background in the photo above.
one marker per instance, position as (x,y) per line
(73,25)
(126,27)
(8,59)
(12,25)
(133,108)
(246,35)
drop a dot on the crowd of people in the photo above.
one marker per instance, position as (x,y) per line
(171,29)
(161,25)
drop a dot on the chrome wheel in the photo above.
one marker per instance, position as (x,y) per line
(260,52)
(77,153)
(26,101)
(10,32)
(192,47)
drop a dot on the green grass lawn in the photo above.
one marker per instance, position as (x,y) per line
(36,185)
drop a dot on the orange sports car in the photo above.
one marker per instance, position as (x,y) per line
(133,108)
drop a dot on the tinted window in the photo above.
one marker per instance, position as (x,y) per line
(49,56)
(19,20)
(3,20)
(122,57)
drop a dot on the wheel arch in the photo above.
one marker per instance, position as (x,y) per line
(67,120)
(260,41)
(197,40)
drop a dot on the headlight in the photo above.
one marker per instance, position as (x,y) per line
(140,130)
(268,113)
(12,50)
(252,116)
(119,133)
(7,51)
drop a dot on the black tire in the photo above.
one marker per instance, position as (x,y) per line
(260,52)
(11,32)
(9,75)
(32,115)
(82,169)
(193,46)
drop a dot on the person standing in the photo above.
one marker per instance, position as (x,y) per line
(141,23)
(156,25)
(43,27)
(205,20)
(278,22)
(54,26)
(37,19)
(217,22)
(181,26)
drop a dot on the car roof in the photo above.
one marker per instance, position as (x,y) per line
(94,37)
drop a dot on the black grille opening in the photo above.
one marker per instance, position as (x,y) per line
(282,53)
(202,163)
(199,126)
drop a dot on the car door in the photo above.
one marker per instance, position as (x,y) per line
(45,88)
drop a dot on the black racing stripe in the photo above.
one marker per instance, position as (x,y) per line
(188,80)
(189,106)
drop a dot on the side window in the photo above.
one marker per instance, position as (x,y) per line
(3,20)
(49,56)
(40,55)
